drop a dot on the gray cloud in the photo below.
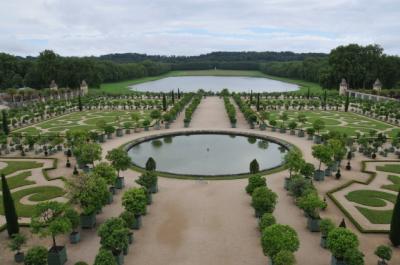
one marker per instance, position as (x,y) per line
(184,27)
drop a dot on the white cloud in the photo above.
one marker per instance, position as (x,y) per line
(93,27)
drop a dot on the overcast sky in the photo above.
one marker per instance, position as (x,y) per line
(191,27)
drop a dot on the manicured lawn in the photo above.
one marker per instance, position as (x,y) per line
(19,180)
(376,216)
(342,122)
(396,183)
(14,166)
(371,198)
(392,168)
(86,120)
(36,194)
(123,87)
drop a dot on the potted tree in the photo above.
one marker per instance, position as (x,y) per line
(135,201)
(311,205)
(114,237)
(105,257)
(36,256)
(384,253)
(294,161)
(353,257)
(17,241)
(146,124)
(302,119)
(318,125)
(130,222)
(338,242)
(108,173)
(273,124)
(277,238)
(73,216)
(149,181)
(266,220)
(49,219)
(324,155)
(151,164)
(310,132)
(263,201)
(91,193)
(120,160)
(156,115)
(255,181)
(167,119)
(338,152)
(292,126)
(127,126)
(326,225)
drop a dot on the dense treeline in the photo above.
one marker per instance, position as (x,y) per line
(38,72)
(359,65)
(212,57)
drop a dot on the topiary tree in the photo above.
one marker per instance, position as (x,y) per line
(277,238)
(326,225)
(255,181)
(17,241)
(88,153)
(135,201)
(148,180)
(6,129)
(323,153)
(340,240)
(338,149)
(119,159)
(49,219)
(385,253)
(284,257)
(307,170)
(114,235)
(254,167)
(89,191)
(394,234)
(36,256)
(311,204)
(318,125)
(354,257)
(9,208)
(105,257)
(151,164)
(105,171)
(266,220)
(129,218)
(294,161)
(263,200)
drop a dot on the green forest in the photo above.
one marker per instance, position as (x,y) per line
(359,65)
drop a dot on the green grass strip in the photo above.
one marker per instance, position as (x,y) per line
(376,216)
(14,166)
(392,168)
(19,180)
(36,194)
(372,198)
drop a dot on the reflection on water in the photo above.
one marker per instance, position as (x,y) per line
(215,83)
(208,154)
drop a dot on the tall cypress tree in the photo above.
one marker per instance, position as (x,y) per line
(173,97)
(6,130)
(164,102)
(9,208)
(346,104)
(179,94)
(394,234)
(251,97)
(258,101)
(308,93)
(80,103)
(325,98)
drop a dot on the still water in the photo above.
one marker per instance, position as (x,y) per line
(208,154)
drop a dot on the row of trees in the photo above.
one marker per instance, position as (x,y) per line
(69,71)
(359,65)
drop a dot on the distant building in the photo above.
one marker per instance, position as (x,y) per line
(343,87)
(53,85)
(84,88)
(377,86)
